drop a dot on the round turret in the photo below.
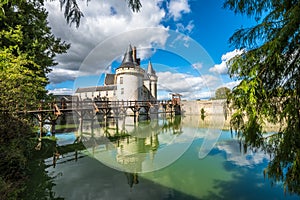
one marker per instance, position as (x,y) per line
(152,80)
(129,77)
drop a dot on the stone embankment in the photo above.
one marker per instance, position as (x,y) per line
(211,107)
(214,113)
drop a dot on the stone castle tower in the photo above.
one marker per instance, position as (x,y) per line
(150,80)
(129,83)
(133,83)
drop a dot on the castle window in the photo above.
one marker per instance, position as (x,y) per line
(122,90)
(106,93)
(121,80)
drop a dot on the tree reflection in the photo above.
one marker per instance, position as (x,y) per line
(132,178)
(40,184)
(133,144)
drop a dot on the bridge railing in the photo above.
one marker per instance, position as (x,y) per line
(75,104)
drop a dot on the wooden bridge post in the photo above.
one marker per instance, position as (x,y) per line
(117,122)
(165,107)
(40,118)
(53,123)
(80,122)
(92,125)
(134,116)
(135,110)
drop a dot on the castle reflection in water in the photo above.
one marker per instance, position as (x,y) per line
(130,146)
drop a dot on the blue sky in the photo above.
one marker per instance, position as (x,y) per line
(187,42)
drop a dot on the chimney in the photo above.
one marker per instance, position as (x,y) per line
(134,55)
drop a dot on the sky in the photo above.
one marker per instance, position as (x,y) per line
(186,41)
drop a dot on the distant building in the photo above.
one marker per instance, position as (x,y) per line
(131,82)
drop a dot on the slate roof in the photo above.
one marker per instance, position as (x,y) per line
(96,89)
(128,58)
(150,69)
(110,79)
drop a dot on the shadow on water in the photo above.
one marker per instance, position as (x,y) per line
(87,178)
(90,179)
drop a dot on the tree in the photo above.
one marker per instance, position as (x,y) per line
(222,93)
(27,50)
(269,90)
(25,33)
(202,111)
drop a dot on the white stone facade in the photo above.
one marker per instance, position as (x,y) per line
(130,83)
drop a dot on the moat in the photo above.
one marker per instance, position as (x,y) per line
(156,159)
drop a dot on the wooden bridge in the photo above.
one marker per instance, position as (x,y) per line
(48,113)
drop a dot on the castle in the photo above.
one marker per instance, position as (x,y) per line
(129,83)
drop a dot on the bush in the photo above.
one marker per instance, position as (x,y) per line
(14,154)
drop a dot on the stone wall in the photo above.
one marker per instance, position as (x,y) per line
(211,107)
(216,114)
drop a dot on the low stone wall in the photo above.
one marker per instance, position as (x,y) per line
(216,114)
(211,107)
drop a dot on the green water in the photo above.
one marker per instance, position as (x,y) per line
(225,173)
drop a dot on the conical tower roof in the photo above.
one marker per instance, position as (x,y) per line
(150,69)
(128,59)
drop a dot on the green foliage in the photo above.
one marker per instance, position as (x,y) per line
(14,145)
(27,50)
(269,90)
(202,111)
(72,11)
(20,85)
(37,41)
(222,93)
(135,5)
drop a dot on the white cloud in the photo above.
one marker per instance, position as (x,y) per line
(231,84)
(205,95)
(197,65)
(222,68)
(185,29)
(59,74)
(234,154)
(181,38)
(177,8)
(103,20)
(190,86)
(61,91)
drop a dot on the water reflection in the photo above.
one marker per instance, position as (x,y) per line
(225,173)
(134,147)
(132,178)
(236,155)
